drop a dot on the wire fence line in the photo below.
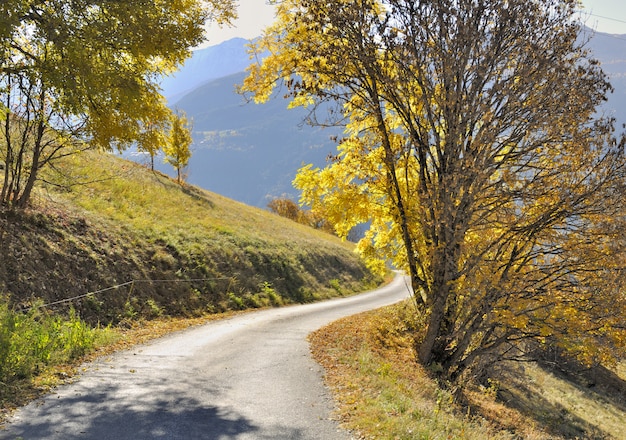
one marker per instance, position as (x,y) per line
(119,286)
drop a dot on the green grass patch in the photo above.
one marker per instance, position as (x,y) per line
(35,340)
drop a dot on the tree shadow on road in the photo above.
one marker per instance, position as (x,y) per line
(99,413)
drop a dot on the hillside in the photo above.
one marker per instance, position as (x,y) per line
(383,393)
(251,152)
(149,247)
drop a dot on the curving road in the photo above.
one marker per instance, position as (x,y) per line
(246,377)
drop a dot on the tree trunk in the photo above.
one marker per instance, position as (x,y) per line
(426,350)
(434,347)
(24,197)
(8,162)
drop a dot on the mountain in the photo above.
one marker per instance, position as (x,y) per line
(610,50)
(244,151)
(205,65)
(251,152)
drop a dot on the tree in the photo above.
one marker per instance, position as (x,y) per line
(88,70)
(152,139)
(177,152)
(474,148)
(28,141)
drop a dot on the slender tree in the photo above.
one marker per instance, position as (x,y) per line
(475,151)
(153,138)
(177,149)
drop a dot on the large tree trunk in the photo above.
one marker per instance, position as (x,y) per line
(441,322)
(426,350)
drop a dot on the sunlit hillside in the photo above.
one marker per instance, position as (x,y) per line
(126,242)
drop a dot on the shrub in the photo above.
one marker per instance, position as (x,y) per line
(31,340)
(236,302)
(270,293)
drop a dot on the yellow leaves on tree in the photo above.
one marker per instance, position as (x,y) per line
(177,149)
(475,155)
(89,69)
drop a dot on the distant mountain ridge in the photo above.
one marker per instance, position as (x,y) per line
(241,150)
(610,50)
(251,153)
(246,151)
(205,65)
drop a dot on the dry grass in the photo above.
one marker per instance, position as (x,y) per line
(569,405)
(151,202)
(382,393)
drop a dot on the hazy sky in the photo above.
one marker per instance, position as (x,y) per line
(603,15)
(254,16)
(607,15)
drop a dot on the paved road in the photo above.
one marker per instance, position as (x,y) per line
(246,377)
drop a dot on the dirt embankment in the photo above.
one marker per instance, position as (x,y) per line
(51,254)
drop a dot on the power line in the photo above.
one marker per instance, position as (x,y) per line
(607,18)
(591,14)
(118,286)
(604,34)
(61,301)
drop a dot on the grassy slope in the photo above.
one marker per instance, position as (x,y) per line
(384,394)
(189,251)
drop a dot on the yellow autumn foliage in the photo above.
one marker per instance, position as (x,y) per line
(474,154)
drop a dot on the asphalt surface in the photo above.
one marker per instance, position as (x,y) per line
(246,377)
